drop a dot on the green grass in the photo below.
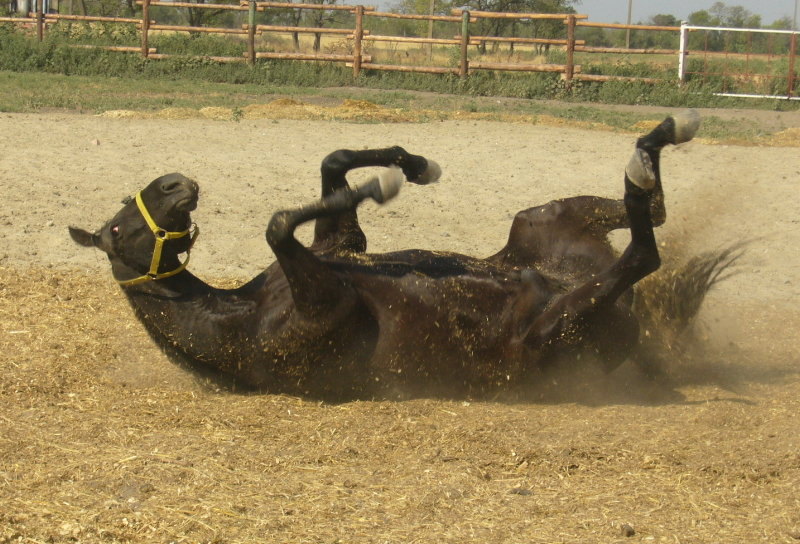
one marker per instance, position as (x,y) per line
(21,53)
(37,91)
(52,75)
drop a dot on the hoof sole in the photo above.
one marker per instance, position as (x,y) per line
(431,174)
(640,170)
(686,125)
(389,182)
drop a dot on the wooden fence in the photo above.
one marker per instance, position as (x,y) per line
(357,56)
(358,59)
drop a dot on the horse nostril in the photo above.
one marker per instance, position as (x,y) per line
(170,187)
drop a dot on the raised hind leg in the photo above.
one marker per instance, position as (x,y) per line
(341,231)
(316,288)
(573,231)
(590,314)
(575,319)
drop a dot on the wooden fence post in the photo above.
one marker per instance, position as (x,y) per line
(39,19)
(570,68)
(792,57)
(358,33)
(463,67)
(145,26)
(251,33)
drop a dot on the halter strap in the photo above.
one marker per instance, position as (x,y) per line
(161,236)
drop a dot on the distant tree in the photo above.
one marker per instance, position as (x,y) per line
(784,23)
(663,19)
(658,39)
(107,8)
(722,15)
(319,18)
(781,42)
(593,36)
(204,16)
(734,16)
(421,7)
(708,39)
(703,18)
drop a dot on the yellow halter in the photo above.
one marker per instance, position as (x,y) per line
(161,236)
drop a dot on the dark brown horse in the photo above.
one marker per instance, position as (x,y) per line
(333,321)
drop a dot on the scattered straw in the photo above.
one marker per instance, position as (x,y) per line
(102,440)
(362,111)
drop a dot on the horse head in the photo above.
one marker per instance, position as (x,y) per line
(144,239)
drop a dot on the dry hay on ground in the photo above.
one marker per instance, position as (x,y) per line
(102,443)
(363,111)
(349,110)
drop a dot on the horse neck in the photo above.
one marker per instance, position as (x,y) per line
(185,314)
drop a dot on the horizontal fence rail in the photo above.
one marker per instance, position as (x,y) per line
(358,40)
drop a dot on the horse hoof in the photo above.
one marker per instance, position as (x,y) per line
(431,174)
(640,170)
(686,125)
(389,182)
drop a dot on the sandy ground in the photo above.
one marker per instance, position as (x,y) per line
(102,440)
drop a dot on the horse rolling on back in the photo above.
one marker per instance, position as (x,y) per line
(332,321)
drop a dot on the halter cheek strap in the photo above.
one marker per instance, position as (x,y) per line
(161,236)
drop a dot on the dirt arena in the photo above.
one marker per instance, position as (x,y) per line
(103,440)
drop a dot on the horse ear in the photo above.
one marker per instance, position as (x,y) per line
(82,237)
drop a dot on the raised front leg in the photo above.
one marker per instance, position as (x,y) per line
(316,289)
(341,231)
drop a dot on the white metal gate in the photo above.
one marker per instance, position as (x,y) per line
(748,79)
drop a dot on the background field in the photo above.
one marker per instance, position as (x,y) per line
(102,440)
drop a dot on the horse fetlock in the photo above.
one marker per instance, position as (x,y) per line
(640,170)
(675,129)
(416,169)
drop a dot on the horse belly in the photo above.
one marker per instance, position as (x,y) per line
(441,335)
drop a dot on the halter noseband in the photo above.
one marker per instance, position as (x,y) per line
(161,236)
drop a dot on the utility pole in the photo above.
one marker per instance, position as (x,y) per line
(628,30)
(794,20)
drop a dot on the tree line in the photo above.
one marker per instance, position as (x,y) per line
(718,15)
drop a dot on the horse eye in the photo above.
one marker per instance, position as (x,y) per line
(115,230)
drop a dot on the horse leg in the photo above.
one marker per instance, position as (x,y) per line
(547,232)
(315,288)
(342,231)
(590,314)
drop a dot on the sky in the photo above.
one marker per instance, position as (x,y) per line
(616,11)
